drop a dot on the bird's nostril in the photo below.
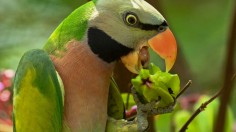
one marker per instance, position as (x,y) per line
(161,28)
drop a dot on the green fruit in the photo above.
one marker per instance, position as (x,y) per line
(152,84)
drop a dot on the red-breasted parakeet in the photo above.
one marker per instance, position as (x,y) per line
(65,86)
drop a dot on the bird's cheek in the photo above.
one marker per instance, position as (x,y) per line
(131,62)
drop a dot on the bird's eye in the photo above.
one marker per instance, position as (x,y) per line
(131,19)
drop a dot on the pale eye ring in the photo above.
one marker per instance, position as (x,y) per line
(131,19)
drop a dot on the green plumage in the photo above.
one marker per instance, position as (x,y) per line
(71,28)
(116,108)
(37,95)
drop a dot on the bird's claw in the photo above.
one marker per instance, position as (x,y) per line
(148,109)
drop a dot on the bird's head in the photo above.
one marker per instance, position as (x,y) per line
(125,29)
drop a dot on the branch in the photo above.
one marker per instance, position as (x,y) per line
(198,111)
(202,107)
(184,89)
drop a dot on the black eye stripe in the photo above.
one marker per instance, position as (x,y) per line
(144,26)
(152,27)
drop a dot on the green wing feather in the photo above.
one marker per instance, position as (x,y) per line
(37,102)
(116,108)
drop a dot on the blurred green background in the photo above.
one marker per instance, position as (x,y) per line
(201,28)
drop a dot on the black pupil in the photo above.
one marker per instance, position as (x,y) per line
(131,20)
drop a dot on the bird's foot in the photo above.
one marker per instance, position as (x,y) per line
(148,109)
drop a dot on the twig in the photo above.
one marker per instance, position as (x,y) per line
(202,108)
(127,101)
(198,111)
(185,88)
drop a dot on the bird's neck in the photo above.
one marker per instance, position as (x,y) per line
(86,80)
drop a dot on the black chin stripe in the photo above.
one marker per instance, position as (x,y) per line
(104,46)
(144,26)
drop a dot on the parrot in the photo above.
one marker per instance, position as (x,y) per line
(68,85)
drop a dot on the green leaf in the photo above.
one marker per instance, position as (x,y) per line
(153,84)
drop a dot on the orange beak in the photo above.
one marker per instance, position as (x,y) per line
(164,44)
